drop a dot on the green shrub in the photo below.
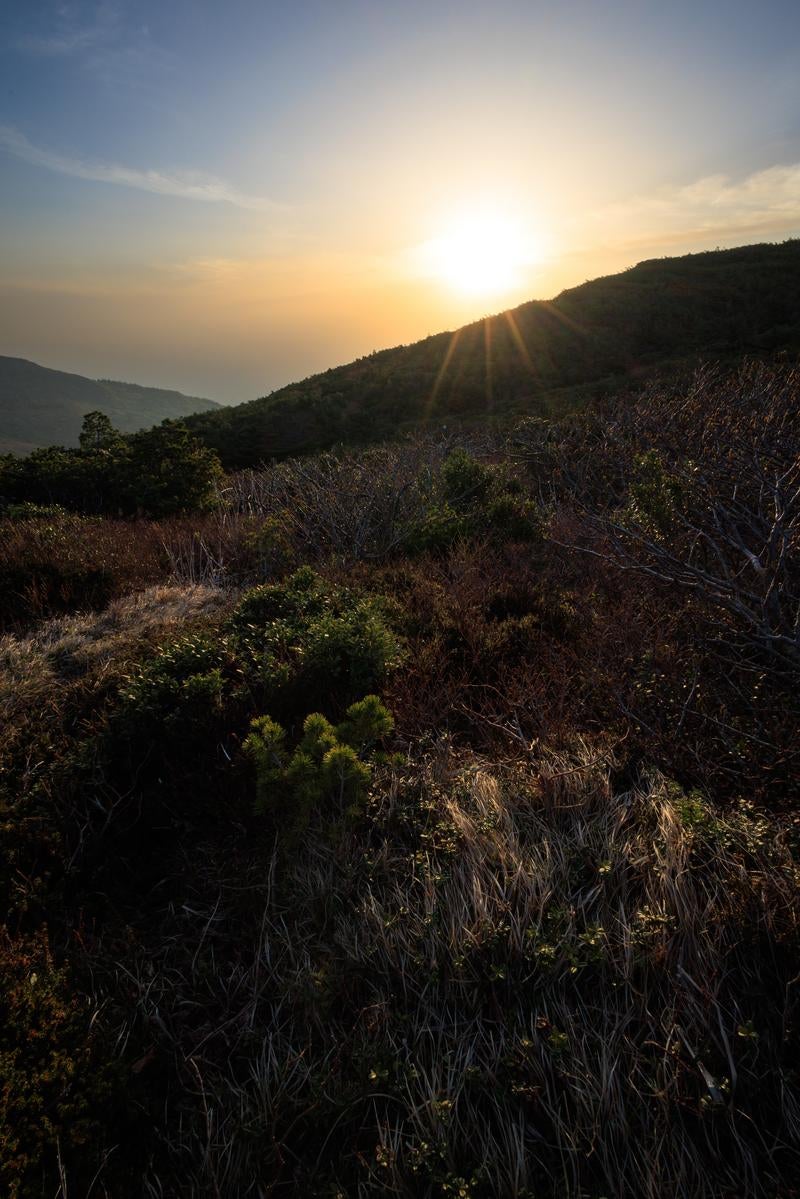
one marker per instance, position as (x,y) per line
(326,762)
(470,498)
(344,775)
(655,497)
(156,471)
(304,784)
(464,480)
(266,747)
(513,518)
(56,1092)
(30,511)
(438,529)
(308,635)
(366,722)
(181,712)
(351,650)
(318,737)
(179,689)
(269,546)
(299,597)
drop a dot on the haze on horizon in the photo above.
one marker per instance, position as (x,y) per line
(224,199)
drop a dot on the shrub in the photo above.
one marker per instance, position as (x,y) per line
(56,1093)
(655,496)
(468,499)
(344,775)
(30,511)
(179,689)
(327,761)
(167,470)
(266,747)
(280,642)
(157,471)
(318,737)
(180,715)
(464,480)
(299,597)
(349,650)
(366,722)
(307,635)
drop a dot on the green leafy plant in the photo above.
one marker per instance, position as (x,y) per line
(366,722)
(180,689)
(155,472)
(655,495)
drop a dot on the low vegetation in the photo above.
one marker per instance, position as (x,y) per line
(418,820)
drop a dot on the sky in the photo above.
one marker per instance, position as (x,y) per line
(226,197)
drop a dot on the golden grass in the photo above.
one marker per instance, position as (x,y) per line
(68,647)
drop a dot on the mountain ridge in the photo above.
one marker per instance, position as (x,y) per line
(543,357)
(43,406)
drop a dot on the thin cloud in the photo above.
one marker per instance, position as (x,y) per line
(118,52)
(765,202)
(187,186)
(60,45)
(72,35)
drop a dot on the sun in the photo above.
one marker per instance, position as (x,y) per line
(481,254)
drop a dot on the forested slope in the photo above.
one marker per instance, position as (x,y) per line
(542,358)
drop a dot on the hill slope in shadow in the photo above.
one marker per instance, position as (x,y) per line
(39,406)
(541,358)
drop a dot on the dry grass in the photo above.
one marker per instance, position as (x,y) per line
(69,647)
(500,981)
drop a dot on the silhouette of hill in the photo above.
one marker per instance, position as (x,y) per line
(39,406)
(544,357)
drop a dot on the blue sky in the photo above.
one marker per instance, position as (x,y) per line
(223,197)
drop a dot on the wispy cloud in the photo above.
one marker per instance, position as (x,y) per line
(105,40)
(763,203)
(186,185)
(73,30)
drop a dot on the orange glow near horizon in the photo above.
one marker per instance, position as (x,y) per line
(365,176)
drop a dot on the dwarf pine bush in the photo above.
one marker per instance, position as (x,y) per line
(366,722)
(281,643)
(327,762)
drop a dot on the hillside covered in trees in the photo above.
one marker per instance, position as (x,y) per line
(542,358)
(42,407)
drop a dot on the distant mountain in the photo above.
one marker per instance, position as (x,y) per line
(39,406)
(540,358)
